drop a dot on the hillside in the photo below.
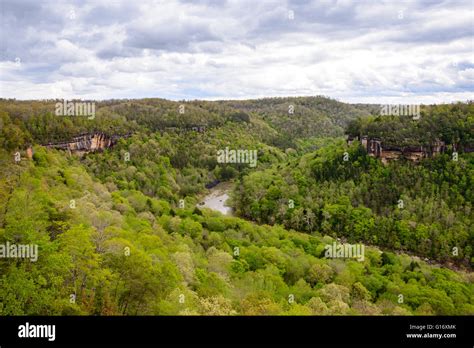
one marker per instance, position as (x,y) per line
(120,232)
(311,117)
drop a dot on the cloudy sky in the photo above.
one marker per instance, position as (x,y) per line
(356,51)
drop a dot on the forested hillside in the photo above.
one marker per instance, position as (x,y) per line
(121,231)
(452,124)
(276,119)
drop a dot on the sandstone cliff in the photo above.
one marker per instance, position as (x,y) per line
(377,149)
(89,142)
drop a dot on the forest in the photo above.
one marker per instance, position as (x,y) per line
(120,231)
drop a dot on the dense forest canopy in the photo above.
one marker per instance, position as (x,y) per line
(452,124)
(120,231)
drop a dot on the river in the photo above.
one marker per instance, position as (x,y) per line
(216,199)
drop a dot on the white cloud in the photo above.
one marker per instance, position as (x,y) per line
(362,51)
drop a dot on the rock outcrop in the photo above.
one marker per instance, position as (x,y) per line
(377,149)
(89,142)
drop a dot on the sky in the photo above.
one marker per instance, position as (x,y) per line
(407,52)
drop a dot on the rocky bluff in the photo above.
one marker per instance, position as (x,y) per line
(88,142)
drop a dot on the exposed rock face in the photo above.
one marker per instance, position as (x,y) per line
(29,152)
(375,148)
(438,147)
(390,155)
(195,128)
(86,143)
(416,153)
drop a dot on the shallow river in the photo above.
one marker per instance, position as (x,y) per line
(217,198)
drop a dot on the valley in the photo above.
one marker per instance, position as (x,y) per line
(131,214)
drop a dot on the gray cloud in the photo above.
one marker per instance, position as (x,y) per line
(169,37)
(355,50)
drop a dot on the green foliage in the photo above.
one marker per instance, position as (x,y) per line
(359,199)
(127,247)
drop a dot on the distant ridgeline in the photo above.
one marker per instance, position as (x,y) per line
(88,142)
(191,128)
(376,148)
